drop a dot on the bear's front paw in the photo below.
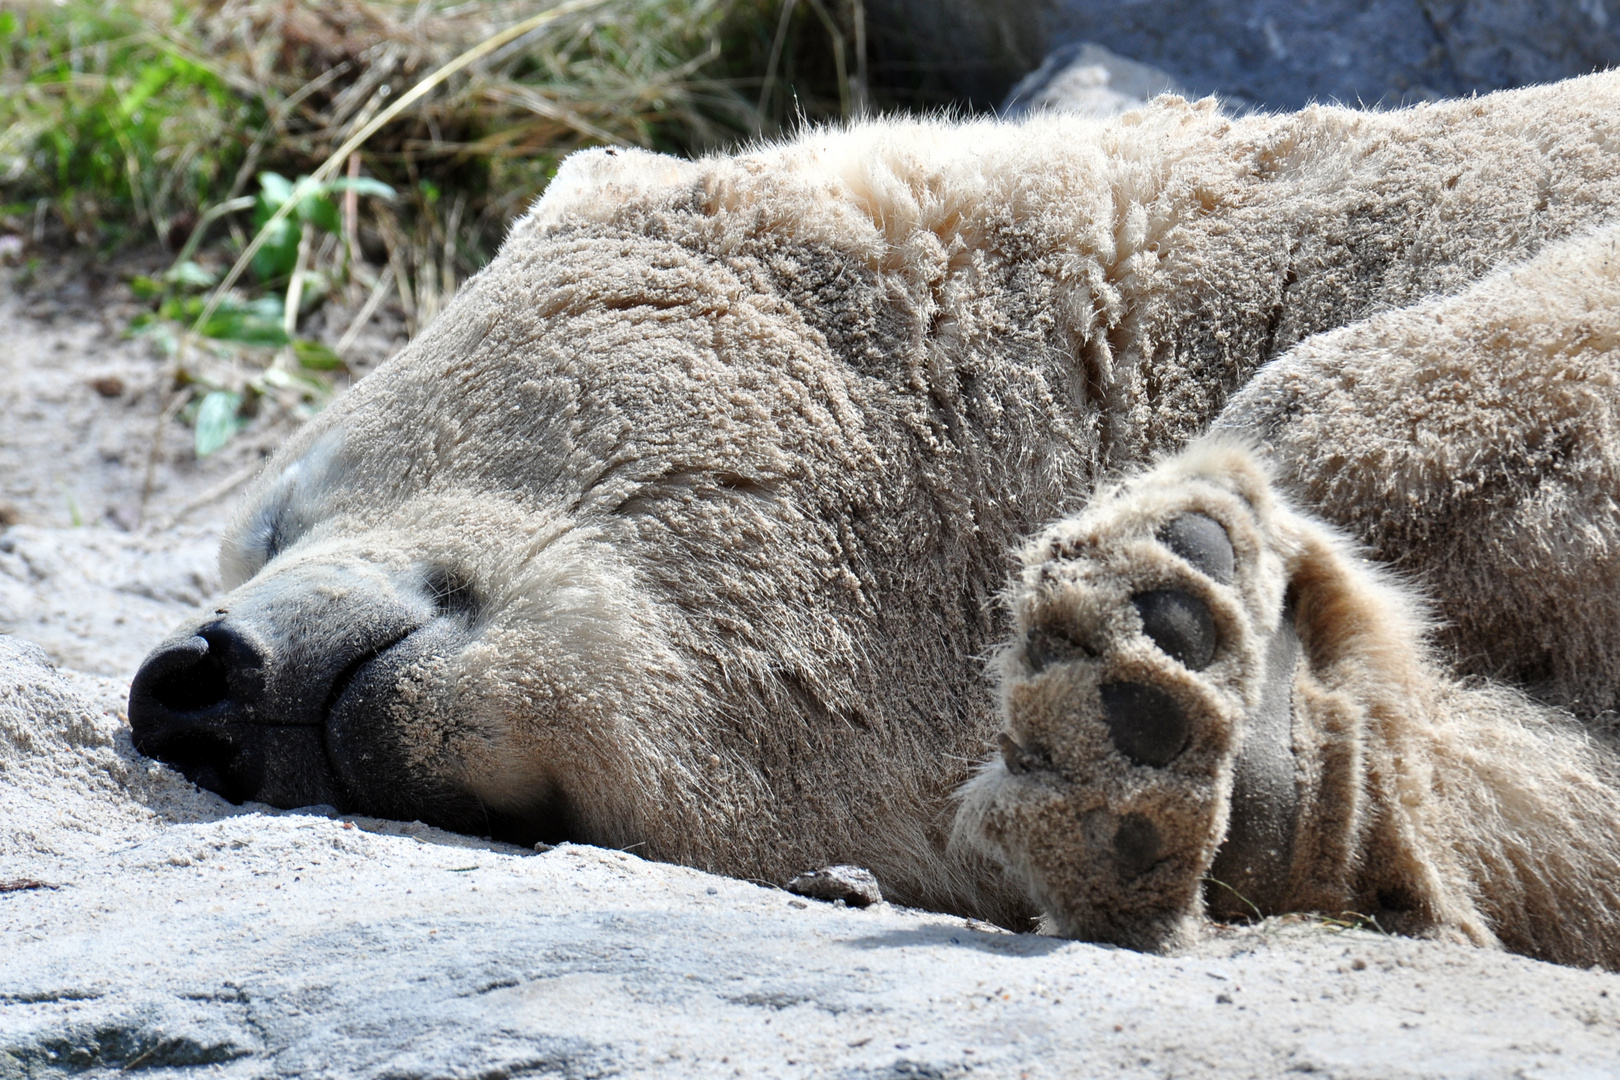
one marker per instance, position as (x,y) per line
(1146,694)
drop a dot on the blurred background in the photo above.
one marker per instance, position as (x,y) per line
(144,144)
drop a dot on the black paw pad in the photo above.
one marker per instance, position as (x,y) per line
(1147,724)
(1180,624)
(1136,846)
(1202,541)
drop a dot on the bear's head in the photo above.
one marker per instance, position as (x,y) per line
(691,509)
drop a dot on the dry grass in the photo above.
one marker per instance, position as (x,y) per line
(143,122)
(471,155)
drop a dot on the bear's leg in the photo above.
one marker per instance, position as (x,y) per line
(1210,700)
(1473,442)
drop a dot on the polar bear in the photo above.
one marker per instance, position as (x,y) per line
(687,527)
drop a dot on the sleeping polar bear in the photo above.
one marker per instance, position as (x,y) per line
(687,526)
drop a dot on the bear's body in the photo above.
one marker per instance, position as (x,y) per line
(684,527)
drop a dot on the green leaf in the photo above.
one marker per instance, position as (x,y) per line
(257,322)
(189,273)
(363,185)
(153,78)
(268,308)
(254,323)
(145,288)
(319,211)
(8,24)
(274,189)
(314,356)
(186,70)
(279,253)
(217,421)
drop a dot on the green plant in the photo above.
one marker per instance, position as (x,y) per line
(110,124)
(239,328)
(313,210)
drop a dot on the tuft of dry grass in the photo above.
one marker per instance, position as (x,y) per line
(190,126)
(472,154)
(144,112)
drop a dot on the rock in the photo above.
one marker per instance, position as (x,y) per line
(178,931)
(967,50)
(1088,79)
(854,885)
(1273,54)
(108,386)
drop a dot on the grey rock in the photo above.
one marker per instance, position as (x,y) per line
(1088,79)
(854,885)
(181,933)
(1273,54)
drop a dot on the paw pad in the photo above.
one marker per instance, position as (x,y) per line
(1136,846)
(1203,542)
(1180,624)
(1147,725)
(1043,648)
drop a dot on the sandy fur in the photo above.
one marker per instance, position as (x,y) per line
(1428,805)
(1514,806)
(734,450)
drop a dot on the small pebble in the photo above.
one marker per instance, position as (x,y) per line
(853,885)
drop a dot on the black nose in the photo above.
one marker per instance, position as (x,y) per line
(186,700)
(195,704)
(199,677)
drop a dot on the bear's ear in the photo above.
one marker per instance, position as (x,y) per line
(278,511)
(594,184)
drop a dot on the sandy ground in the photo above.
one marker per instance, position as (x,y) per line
(147,925)
(151,926)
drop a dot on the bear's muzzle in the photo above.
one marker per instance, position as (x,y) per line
(291,694)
